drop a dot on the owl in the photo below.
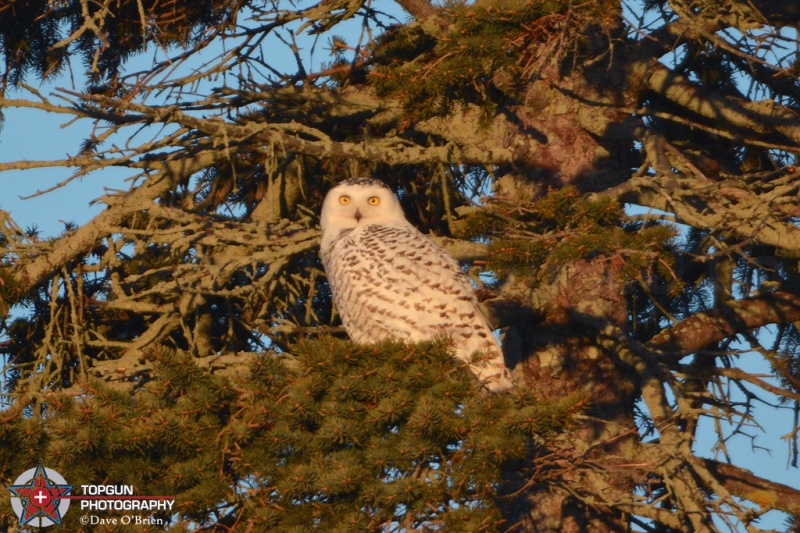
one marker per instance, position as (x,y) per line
(389,281)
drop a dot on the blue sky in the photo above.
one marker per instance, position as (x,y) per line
(35,135)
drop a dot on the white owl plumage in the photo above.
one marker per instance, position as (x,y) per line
(390,281)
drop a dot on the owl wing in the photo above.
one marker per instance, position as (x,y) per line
(394,282)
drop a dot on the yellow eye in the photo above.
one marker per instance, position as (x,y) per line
(344,199)
(374,200)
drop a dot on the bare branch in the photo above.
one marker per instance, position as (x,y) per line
(708,328)
(419,9)
(748,486)
(30,274)
(748,118)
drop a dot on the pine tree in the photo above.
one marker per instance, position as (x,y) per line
(619,180)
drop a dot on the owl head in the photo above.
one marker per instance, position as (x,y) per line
(359,201)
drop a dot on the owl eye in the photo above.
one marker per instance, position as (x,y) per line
(374,200)
(344,199)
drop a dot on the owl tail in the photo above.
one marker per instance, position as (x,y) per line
(490,369)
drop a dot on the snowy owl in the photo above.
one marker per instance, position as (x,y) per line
(390,281)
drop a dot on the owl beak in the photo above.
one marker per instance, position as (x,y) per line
(358,215)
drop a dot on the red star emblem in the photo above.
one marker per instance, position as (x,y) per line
(40,497)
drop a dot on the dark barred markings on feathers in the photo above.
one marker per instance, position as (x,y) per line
(390,281)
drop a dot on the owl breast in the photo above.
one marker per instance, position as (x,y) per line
(393,282)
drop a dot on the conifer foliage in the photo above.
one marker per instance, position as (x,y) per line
(335,437)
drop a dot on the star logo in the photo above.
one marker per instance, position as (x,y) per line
(37,497)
